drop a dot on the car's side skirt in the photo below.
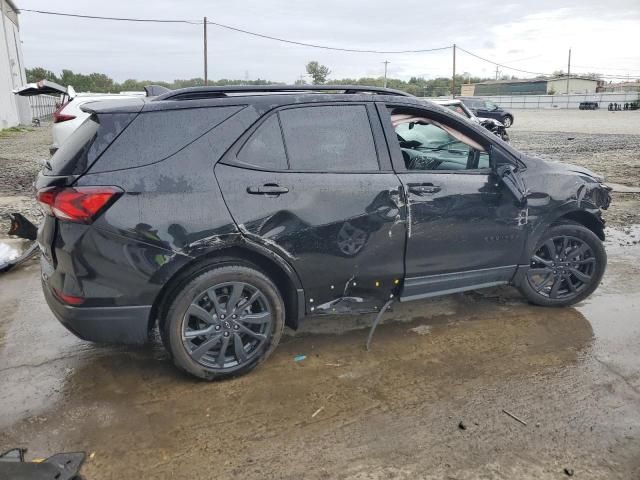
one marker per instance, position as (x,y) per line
(434,285)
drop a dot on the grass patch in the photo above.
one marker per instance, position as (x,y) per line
(8,131)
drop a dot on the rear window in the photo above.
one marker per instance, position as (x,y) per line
(71,157)
(155,136)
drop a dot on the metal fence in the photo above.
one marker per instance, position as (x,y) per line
(562,101)
(43,106)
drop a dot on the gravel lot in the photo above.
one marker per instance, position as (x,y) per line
(20,152)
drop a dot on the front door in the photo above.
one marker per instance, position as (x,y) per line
(312,184)
(465,228)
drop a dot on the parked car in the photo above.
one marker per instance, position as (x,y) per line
(491,124)
(69,115)
(488,109)
(222,214)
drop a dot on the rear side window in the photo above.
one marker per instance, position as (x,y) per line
(71,157)
(329,138)
(155,136)
(265,148)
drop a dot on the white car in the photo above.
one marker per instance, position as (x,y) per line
(68,116)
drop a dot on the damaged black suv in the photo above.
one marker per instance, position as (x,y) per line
(223,214)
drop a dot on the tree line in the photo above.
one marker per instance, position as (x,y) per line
(101,83)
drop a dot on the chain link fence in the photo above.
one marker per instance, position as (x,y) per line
(562,101)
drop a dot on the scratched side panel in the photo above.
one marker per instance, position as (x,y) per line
(170,212)
(342,233)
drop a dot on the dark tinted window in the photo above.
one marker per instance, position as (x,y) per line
(332,138)
(265,148)
(73,151)
(154,136)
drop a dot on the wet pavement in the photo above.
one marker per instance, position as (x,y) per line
(573,375)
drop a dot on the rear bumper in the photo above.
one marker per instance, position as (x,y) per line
(128,325)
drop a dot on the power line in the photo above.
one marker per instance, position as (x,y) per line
(119,19)
(240,30)
(499,64)
(355,50)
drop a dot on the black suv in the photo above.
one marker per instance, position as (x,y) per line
(223,214)
(488,109)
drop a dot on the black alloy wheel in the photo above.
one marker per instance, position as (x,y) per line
(562,267)
(224,322)
(225,325)
(565,267)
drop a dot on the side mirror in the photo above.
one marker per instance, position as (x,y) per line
(508,175)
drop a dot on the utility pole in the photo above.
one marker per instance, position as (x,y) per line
(568,71)
(497,72)
(386,62)
(206,78)
(453,78)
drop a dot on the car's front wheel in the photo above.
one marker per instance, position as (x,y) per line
(224,322)
(507,121)
(565,267)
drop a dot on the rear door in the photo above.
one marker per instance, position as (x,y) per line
(314,183)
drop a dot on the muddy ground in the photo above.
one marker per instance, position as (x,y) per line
(427,402)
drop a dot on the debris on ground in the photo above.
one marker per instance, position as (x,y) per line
(317,412)
(514,417)
(569,472)
(462,425)
(299,358)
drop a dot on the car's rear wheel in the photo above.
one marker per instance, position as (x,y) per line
(565,267)
(507,121)
(224,322)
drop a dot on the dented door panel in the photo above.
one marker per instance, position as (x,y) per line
(343,234)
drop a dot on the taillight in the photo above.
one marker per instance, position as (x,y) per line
(69,299)
(58,116)
(78,204)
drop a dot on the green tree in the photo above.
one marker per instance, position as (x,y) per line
(318,72)
(38,73)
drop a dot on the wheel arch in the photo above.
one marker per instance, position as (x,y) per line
(280,272)
(582,217)
(586,219)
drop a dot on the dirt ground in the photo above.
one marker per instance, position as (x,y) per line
(427,402)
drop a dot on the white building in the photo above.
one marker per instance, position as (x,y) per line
(14,110)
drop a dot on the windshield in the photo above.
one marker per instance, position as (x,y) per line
(490,105)
(458,109)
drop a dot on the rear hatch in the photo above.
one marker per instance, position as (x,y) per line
(74,157)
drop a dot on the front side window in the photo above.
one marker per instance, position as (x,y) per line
(430,145)
(329,138)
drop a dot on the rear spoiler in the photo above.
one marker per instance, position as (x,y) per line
(44,87)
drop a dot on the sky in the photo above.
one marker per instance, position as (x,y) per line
(529,35)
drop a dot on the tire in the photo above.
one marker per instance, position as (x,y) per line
(579,264)
(249,332)
(507,121)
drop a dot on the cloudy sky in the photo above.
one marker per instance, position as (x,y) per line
(530,35)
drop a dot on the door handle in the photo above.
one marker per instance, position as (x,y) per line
(268,189)
(425,189)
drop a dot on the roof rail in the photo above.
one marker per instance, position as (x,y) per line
(194,93)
